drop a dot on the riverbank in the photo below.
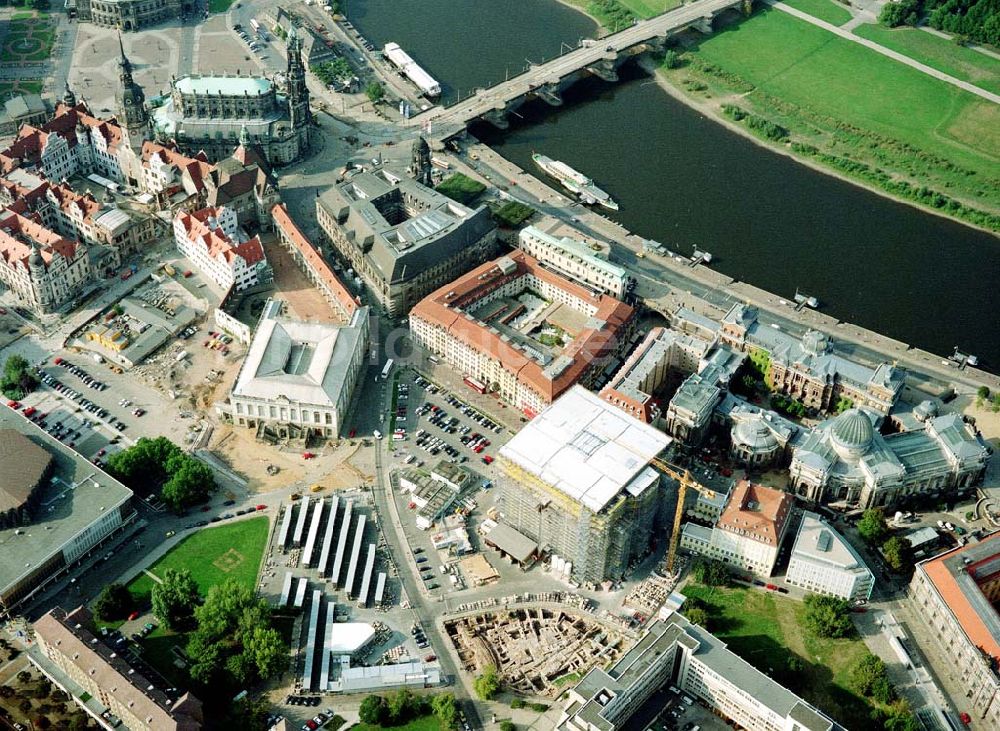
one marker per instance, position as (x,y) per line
(956,179)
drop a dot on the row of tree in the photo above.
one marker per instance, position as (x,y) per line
(181,479)
(403,706)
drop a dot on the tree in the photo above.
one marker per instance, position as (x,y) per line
(375,92)
(443,705)
(24,676)
(191,483)
(982,394)
(897,553)
(6,691)
(487,685)
(711,572)
(17,380)
(872,526)
(870,678)
(24,706)
(374,710)
(264,647)
(114,602)
(403,705)
(43,722)
(828,616)
(672,59)
(249,712)
(507,725)
(79,723)
(698,616)
(175,598)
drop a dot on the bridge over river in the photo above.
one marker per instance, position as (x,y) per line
(593,57)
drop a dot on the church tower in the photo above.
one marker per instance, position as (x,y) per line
(132,113)
(298,93)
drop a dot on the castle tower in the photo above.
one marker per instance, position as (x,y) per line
(421,162)
(132,113)
(298,92)
(69,98)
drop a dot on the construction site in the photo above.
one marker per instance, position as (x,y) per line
(536,650)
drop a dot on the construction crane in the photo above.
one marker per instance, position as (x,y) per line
(685,480)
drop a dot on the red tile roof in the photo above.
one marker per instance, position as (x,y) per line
(17,232)
(757,511)
(314,260)
(943,578)
(442,309)
(215,240)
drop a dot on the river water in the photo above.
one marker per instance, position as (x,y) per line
(686,181)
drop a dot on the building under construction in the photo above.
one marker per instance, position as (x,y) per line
(577,479)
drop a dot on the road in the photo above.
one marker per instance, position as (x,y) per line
(666,283)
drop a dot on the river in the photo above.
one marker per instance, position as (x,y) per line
(687,181)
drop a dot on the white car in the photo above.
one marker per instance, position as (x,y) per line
(377,434)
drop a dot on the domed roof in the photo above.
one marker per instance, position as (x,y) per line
(35,259)
(815,342)
(755,433)
(926,410)
(853,429)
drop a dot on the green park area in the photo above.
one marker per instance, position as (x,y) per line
(212,555)
(461,188)
(30,37)
(827,10)
(219,6)
(851,109)
(769,632)
(938,53)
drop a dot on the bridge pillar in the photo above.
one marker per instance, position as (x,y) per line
(604,69)
(657,44)
(498,118)
(704,25)
(549,93)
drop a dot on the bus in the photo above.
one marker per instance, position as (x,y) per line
(255,25)
(475,385)
(386,368)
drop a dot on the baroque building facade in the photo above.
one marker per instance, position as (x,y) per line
(128,15)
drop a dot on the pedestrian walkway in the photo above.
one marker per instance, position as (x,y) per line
(923,68)
(153,576)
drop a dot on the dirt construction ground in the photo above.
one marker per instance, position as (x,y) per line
(337,465)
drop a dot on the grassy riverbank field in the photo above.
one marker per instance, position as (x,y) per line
(849,108)
(938,53)
(827,10)
(767,631)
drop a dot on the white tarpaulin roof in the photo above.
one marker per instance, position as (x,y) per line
(585,447)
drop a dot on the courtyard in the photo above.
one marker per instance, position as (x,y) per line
(769,632)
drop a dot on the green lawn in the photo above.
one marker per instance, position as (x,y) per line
(827,10)
(228,551)
(765,630)
(649,8)
(939,53)
(853,101)
(424,723)
(219,6)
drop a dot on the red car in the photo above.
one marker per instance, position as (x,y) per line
(430,658)
(29,411)
(261,507)
(14,404)
(353,432)
(58,361)
(308,455)
(770,587)
(487,459)
(133,616)
(965,718)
